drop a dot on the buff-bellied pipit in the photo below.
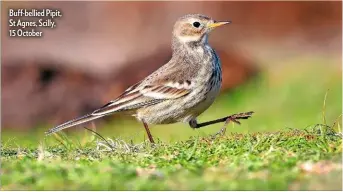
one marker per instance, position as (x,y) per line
(181,89)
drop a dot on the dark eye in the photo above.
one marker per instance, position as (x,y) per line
(196,24)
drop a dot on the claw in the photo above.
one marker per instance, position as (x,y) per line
(233,118)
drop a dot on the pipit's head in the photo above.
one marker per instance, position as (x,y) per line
(195,28)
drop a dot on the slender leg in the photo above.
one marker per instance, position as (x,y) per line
(227,119)
(148,132)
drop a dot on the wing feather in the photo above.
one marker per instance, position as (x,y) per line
(142,96)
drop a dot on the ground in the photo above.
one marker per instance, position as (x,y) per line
(289,160)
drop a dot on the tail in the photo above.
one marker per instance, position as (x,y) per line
(73,122)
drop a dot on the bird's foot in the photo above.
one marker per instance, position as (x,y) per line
(234,118)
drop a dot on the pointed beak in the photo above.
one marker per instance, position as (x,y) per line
(218,23)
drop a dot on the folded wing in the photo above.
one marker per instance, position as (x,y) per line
(141,96)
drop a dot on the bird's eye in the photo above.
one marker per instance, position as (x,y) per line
(196,24)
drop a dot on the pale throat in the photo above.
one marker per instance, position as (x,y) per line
(190,43)
(197,39)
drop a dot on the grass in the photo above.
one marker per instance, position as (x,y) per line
(261,161)
(293,142)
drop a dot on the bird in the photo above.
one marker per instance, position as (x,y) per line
(178,91)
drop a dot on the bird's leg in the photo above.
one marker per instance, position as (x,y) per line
(227,119)
(148,132)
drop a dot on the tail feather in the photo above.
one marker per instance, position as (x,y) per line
(73,122)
